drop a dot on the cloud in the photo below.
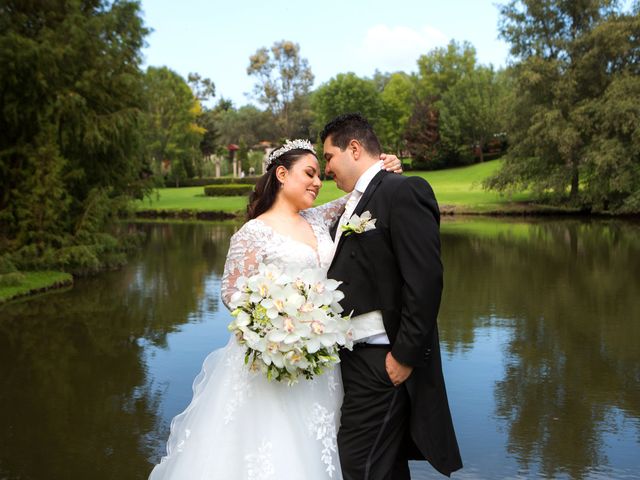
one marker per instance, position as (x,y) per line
(395,48)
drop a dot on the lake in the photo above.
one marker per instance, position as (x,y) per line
(540,332)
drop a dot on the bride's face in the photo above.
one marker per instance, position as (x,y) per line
(301,182)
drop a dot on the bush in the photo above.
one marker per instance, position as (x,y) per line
(227,190)
(104,251)
(12,279)
(202,182)
(6,265)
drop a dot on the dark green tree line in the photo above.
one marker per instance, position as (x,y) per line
(71,149)
(574,121)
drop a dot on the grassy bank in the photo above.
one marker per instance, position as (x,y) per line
(19,284)
(458,191)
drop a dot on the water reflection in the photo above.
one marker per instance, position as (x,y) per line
(539,325)
(75,398)
(571,365)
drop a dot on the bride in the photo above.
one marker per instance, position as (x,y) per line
(239,425)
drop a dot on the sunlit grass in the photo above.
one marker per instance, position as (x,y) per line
(458,187)
(24,283)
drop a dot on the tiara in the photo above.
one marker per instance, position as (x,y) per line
(297,144)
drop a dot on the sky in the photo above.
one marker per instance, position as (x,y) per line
(215,38)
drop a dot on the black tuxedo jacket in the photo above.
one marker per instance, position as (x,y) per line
(396,269)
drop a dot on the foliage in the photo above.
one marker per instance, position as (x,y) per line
(423,136)
(575,116)
(457,107)
(208,121)
(230,190)
(12,279)
(172,133)
(443,67)
(347,93)
(72,101)
(284,78)
(247,124)
(203,88)
(6,265)
(469,112)
(398,97)
(202,182)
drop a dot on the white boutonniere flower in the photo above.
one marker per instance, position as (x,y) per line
(359,224)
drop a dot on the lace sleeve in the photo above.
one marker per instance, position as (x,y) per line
(328,213)
(245,253)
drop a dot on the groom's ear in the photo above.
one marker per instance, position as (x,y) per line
(355,147)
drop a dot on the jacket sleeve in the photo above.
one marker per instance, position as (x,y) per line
(415,238)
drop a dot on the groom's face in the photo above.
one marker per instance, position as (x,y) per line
(341,165)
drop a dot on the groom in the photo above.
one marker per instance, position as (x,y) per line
(395,405)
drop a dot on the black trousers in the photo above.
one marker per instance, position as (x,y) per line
(375,418)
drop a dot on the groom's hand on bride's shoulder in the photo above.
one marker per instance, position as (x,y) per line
(391,163)
(397,372)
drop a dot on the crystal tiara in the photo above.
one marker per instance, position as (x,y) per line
(289,145)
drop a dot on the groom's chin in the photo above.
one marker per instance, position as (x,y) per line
(341,186)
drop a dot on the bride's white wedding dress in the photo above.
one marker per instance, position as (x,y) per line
(241,426)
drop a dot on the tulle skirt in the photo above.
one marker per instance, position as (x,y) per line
(240,426)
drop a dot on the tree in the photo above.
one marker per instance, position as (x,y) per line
(611,165)
(572,115)
(203,88)
(71,91)
(247,124)
(422,135)
(283,78)
(172,131)
(443,67)
(398,98)
(347,93)
(208,121)
(438,72)
(469,112)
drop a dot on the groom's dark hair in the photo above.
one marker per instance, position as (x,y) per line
(352,126)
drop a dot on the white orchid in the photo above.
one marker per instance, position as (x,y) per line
(359,223)
(289,322)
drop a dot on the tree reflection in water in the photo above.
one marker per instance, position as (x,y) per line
(75,400)
(572,364)
(81,396)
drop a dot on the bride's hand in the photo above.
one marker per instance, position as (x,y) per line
(391,163)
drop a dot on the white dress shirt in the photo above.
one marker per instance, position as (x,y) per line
(367,327)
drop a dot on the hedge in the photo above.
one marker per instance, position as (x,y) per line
(202,182)
(227,190)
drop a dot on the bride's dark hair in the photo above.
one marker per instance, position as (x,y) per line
(266,191)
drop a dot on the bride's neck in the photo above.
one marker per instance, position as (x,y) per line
(283,208)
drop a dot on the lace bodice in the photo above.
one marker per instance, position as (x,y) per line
(256,242)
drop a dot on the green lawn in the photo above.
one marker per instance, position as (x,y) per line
(462,187)
(31,282)
(458,187)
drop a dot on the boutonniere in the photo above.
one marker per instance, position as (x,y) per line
(359,224)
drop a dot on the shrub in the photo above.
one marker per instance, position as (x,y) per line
(12,279)
(227,190)
(6,265)
(202,182)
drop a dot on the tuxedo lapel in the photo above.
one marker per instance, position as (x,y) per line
(368,193)
(334,228)
(366,196)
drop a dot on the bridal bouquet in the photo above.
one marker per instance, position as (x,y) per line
(290,322)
